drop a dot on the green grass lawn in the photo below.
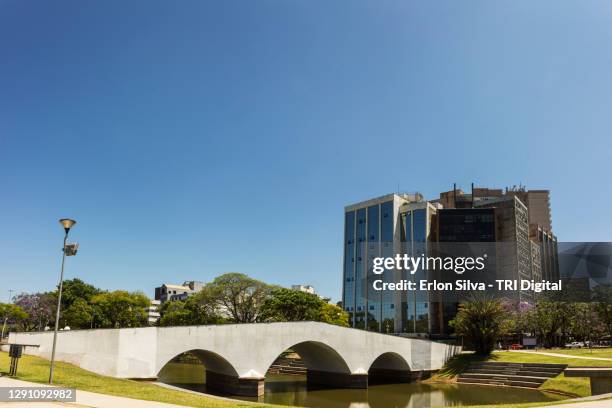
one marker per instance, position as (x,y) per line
(574,385)
(36,369)
(597,352)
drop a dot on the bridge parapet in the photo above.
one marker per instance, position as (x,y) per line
(333,355)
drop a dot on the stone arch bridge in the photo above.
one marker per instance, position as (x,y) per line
(237,356)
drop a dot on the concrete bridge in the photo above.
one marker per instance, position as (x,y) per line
(236,357)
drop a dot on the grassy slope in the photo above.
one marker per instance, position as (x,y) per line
(36,369)
(575,385)
(601,353)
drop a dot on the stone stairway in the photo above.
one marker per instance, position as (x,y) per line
(287,366)
(530,375)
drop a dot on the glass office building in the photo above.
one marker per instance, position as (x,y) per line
(488,221)
(383,227)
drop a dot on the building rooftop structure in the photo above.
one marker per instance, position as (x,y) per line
(304,288)
(414,197)
(171,291)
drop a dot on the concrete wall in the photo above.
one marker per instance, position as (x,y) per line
(245,350)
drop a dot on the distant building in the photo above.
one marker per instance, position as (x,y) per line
(304,288)
(168,291)
(466,225)
(515,221)
(535,207)
(549,259)
(153,312)
(514,256)
(384,227)
(538,203)
(456,198)
(459,225)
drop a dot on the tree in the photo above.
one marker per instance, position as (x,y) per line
(120,309)
(74,289)
(333,314)
(603,305)
(241,296)
(174,313)
(78,315)
(548,319)
(204,307)
(287,305)
(200,308)
(482,322)
(11,315)
(40,308)
(585,324)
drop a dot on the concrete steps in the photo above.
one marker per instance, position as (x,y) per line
(530,375)
(288,366)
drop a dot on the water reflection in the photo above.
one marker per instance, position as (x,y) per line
(292,390)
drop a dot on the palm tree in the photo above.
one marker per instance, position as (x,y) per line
(482,322)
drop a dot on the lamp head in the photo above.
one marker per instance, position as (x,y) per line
(67,223)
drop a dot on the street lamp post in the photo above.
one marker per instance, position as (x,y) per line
(67,224)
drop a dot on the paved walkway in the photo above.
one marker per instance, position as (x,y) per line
(598,401)
(544,353)
(83,399)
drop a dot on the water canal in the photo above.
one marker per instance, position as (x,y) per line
(292,390)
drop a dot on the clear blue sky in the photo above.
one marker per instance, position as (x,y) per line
(194,138)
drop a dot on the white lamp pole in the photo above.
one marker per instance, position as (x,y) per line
(67,224)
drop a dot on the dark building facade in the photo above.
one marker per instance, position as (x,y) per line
(466,225)
(457,228)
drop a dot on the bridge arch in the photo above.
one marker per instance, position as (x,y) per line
(319,356)
(390,360)
(216,372)
(388,368)
(325,366)
(211,360)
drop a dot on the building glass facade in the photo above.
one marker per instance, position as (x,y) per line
(348,298)
(398,224)
(387,228)
(383,228)
(414,236)
(360,269)
(374,298)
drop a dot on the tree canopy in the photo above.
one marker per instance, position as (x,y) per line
(239,295)
(120,308)
(40,308)
(200,308)
(287,305)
